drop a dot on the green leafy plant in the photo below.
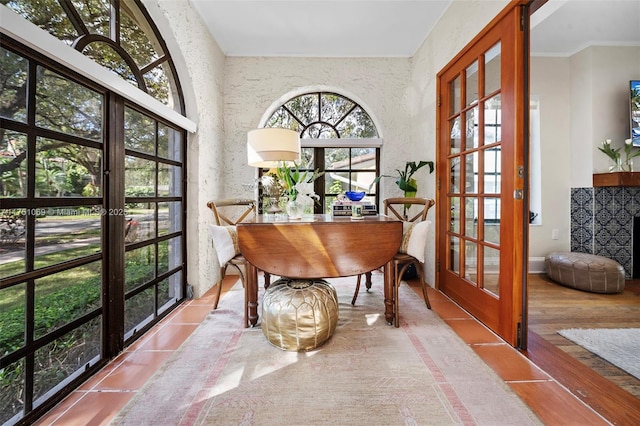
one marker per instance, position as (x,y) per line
(405,180)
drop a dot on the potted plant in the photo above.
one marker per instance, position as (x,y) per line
(405,180)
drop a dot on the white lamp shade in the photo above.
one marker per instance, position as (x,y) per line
(270,147)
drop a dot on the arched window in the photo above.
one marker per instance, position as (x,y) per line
(338,137)
(118,35)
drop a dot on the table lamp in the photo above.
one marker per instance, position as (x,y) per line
(272,147)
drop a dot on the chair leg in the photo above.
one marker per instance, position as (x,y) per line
(267,280)
(223,271)
(355,294)
(423,284)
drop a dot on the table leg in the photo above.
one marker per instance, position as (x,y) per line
(389,302)
(251,296)
(368,280)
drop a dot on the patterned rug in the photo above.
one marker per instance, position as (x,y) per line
(619,346)
(368,373)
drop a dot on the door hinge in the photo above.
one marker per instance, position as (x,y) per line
(519,335)
(439,101)
(523,10)
(438,183)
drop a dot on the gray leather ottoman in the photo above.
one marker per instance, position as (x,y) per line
(584,271)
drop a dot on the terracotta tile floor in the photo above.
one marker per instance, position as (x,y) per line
(98,400)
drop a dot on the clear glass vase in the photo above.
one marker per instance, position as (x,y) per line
(615,165)
(294,209)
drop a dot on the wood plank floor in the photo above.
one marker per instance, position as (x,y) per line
(553,307)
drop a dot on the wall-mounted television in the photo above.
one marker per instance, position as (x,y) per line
(634,97)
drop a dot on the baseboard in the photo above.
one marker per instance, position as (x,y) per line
(536,265)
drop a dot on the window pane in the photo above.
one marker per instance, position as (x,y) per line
(139,132)
(65,296)
(169,291)
(336,182)
(169,217)
(472,84)
(307,157)
(12,321)
(104,54)
(470,261)
(336,159)
(319,131)
(471,170)
(66,233)
(492,72)
(456,177)
(334,107)
(138,310)
(492,120)
(492,170)
(454,94)
(140,222)
(13,156)
(455,137)
(169,143)
(66,169)
(169,180)
(13,74)
(63,357)
(13,233)
(471,217)
(51,18)
(282,119)
(169,254)
(454,254)
(491,276)
(139,177)
(12,395)
(305,108)
(472,137)
(134,40)
(94,14)
(357,124)
(455,214)
(67,107)
(140,267)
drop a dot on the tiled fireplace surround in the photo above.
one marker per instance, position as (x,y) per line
(602,223)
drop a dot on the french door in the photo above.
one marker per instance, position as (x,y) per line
(482,176)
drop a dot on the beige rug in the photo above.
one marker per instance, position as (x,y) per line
(619,346)
(368,373)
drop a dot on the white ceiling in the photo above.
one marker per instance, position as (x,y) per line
(396,28)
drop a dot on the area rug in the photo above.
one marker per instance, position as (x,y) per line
(368,373)
(619,346)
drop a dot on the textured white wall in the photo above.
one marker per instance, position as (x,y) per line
(254,87)
(200,65)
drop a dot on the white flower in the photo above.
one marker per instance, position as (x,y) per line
(627,141)
(607,142)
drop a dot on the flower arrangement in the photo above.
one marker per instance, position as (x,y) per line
(297,183)
(615,155)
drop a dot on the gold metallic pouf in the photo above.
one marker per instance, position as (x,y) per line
(299,314)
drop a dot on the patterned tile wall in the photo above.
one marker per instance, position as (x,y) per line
(602,222)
